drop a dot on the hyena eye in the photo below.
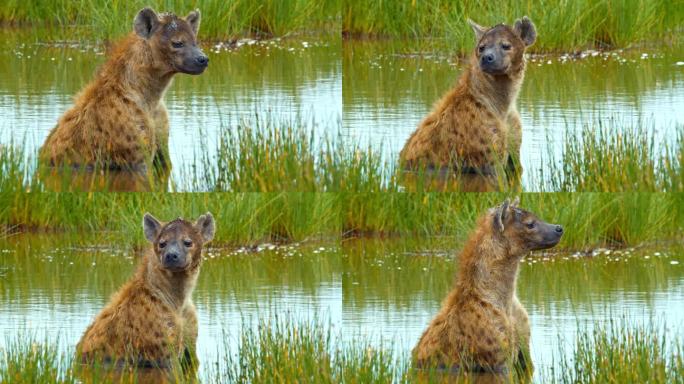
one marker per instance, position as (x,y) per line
(530,225)
(177,44)
(506,47)
(188,243)
(162,244)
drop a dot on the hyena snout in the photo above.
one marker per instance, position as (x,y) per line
(549,235)
(492,61)
(174,257)
(195,62)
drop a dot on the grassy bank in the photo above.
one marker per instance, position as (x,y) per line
(310,352)
(561,25)
(220,20)
(591,219)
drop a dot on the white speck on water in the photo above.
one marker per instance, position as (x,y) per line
(647,257)
(679,63)
(656,254)
(548,62)
(674,262)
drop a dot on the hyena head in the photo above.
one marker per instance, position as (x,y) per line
(178,243)
(521,230)
(173,40)
(500,49)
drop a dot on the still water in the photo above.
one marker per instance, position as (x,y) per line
(288,80)
(51,286)
(389,86)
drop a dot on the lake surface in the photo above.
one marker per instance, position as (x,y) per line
(277,80)
(51,286)
(389,86)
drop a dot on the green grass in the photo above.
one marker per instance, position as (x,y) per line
(269,156)
(561,25)
(613,157)
(65,19)
(622,353)
(591,219)
(282,351)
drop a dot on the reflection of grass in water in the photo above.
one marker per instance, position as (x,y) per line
(609,158)
(561,26)
(219,19)
(285,350)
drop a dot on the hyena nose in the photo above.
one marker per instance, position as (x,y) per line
(559,229)
(489,58)
(202,60)
(172,257)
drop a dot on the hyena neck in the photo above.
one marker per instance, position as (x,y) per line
(499,93)
(173,288)
(132,68)
(502,282)
(493,280)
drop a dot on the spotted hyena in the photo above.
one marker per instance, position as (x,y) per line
(119,119)
(482,326)
(151,320)
(475,126)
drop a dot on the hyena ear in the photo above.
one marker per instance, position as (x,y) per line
(500,216)
(151,227)
(478,29)
(206,227)
(193,18)
(146,22)
(526,30)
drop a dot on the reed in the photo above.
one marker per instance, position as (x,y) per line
(92,19)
